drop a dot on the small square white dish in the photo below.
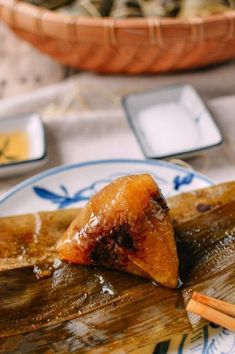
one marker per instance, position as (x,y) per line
(15,132)
(171,122)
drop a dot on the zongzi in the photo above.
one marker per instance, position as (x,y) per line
(125,226)
(137,8)
(192,8)
(126,8)
(161,8)
(49,4)
(88,8)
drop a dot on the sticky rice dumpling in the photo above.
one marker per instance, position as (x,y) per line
(88,8)
(125,226)
(161,8)
(126,8)
(49,4)
(192,8)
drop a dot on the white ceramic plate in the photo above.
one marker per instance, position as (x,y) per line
(72,185)
(171,121)
(30,124)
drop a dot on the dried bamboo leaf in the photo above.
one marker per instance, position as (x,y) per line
(31,238)
(206,244)
(118,306)
(80,300)
(187,205)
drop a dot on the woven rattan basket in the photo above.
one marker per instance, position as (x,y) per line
(131,45)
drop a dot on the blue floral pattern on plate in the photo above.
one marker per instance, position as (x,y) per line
(63,199)
(182,181)
(211,339)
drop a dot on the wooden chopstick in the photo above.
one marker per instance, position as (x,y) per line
(222,306)
(214,310)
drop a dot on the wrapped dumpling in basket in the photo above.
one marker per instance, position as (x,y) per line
(49,4)
(161,8)
(232,3)
(192,8)
(90,8)
(126,8)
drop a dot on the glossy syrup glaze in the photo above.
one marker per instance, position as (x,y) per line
(125,226)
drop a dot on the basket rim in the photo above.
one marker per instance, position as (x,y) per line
(47,22)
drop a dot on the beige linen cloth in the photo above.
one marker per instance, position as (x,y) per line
(78,130)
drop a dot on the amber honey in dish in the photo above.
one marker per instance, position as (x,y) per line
(14,147)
